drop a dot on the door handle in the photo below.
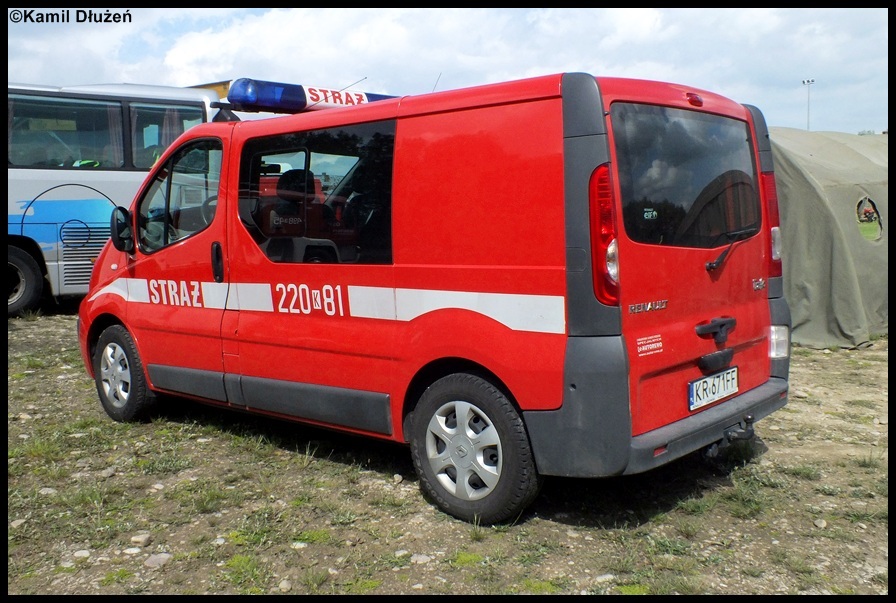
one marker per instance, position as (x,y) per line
(718,328)
(218,262)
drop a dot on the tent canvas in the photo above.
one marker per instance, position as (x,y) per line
(835,279)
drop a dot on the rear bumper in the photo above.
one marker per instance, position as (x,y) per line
(583,439)
(696,432)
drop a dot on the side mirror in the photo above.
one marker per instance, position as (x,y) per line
(121,233)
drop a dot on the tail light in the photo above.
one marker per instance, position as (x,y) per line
(770,194)
(604,251)
(779,342)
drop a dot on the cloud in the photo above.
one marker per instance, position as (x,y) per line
(754,55)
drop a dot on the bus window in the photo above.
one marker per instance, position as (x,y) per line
(50,132)
(154,127)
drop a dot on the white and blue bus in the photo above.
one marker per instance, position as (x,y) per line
(74,153)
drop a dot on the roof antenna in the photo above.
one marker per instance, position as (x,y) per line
(437,82)
(355,84)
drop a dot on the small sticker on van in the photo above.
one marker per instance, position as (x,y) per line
(652,344)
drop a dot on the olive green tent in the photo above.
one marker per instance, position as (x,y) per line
(833,200)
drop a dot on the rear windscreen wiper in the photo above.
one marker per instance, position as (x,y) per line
(733,236)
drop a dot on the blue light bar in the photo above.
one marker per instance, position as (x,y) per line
(256,95)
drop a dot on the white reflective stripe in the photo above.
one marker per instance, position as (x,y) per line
(214,295)
(129,289)
(251,296)
(537,313)
(138,290)
(372,302)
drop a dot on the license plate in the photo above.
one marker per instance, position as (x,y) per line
(712,389)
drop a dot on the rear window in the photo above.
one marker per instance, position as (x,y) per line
(687,178)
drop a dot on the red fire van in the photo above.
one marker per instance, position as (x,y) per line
(565,275)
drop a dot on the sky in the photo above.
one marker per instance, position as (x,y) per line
(759,56)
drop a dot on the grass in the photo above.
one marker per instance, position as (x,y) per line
(248,505)
(872,459)
(807,472)
(248,574)
(870,230)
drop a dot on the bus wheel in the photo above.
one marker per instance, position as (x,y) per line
(120,381)
(25,281)
(471,451)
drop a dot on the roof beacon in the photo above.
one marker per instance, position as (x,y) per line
(256,95)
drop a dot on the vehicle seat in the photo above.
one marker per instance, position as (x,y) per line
(286,218)
(296,186)
(283,219)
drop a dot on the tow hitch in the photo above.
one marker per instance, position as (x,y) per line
(740,432)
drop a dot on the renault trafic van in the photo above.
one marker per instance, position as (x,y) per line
(565,275)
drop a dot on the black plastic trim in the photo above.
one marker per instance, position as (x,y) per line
(336,406)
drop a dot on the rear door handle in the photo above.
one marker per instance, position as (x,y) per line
(717,327)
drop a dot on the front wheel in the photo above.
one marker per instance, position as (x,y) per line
(471,451)
(120,380)
(24,281)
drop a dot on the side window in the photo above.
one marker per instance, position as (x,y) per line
(182,197)
(49,132)
(154,128)
(321,197)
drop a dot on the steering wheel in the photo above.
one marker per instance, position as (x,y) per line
(208,208)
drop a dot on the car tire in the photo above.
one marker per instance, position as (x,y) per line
(120,380)
(26,281)
(471,451)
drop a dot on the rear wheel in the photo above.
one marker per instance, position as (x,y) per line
(471,451)
(120,380)
(25,282)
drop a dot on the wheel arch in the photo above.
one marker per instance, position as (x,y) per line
(97,326)
(435,370)
(28,283)
(30,247)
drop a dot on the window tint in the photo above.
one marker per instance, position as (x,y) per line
(686,178)
(321,196)
(63,133)
(154,128)
(182,197)
(50,132)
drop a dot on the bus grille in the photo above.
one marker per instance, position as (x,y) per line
(80,246)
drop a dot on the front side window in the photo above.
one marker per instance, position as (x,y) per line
(687,178)
(321,196)
(182,197)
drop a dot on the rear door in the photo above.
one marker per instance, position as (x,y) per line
(692,259)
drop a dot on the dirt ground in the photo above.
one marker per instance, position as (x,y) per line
(202,501)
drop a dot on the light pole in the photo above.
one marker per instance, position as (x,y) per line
(808,84)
